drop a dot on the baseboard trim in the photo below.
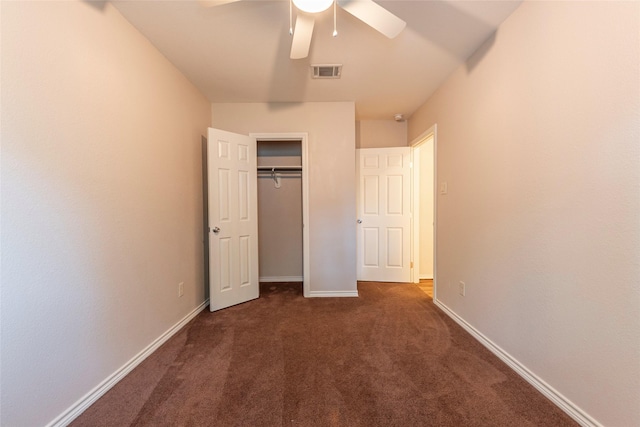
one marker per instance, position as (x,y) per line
(87,400)
(332,294)
(281,279)
(426,277)
(570,408)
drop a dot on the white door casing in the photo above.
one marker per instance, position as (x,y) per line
(233,219)
(384,214)
(303,137)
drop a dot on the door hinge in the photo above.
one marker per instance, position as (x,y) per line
(411,264)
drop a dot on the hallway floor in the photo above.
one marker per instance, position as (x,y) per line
(426,286)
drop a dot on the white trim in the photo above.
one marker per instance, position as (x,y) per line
(570,408)
(434,129)
(88,399)
(333,294)
(271,279)
(303,137)
(426,277)
(423,136)
(415,213)
(414,144)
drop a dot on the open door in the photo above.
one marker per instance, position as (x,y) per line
(233,219)
(384,214)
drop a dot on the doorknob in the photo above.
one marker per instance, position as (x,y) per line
(359,221)
(216,230)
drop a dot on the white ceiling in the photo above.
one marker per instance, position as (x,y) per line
(239,52)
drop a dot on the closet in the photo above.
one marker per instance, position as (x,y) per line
(280,212)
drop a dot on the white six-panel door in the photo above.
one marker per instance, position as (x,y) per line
(233,219)
(384,214)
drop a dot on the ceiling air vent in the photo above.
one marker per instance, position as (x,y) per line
(326,71)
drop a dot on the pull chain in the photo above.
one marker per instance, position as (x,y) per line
(335,7)
(290,17)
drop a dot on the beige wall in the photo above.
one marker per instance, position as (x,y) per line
(332,192)
(101,201)
(381,134)
(538,142)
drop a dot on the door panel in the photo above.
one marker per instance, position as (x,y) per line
(384,216)
(243,195)
(371,247)
(233,219)
(394,247)
(371,192)
(394,203)
(224,263)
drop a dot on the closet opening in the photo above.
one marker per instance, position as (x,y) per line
(283,249)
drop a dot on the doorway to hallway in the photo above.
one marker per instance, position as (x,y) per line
(426,286)
(424,211)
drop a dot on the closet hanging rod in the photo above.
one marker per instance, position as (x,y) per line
(279,168)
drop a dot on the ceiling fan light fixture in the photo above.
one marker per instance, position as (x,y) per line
(313,6)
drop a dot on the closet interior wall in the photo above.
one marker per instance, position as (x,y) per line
(280,242)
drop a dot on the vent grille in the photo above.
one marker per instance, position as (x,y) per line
(326,71)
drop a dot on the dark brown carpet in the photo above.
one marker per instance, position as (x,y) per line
(388,358)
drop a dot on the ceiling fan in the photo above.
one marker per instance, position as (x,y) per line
(369,12)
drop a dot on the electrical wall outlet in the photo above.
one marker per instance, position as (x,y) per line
(180,289)
(462,288)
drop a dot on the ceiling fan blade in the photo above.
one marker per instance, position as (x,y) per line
(375,16)
(302,36)
(211,3)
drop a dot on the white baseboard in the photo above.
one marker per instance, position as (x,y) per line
(87,400)
(426,277)
(571,409)
(281,279)
(332,294)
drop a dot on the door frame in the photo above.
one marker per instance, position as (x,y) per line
(303,137)
(205,215)
(432,132)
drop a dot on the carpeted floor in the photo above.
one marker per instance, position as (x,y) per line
(387,358)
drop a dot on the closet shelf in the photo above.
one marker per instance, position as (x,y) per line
(279,168)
